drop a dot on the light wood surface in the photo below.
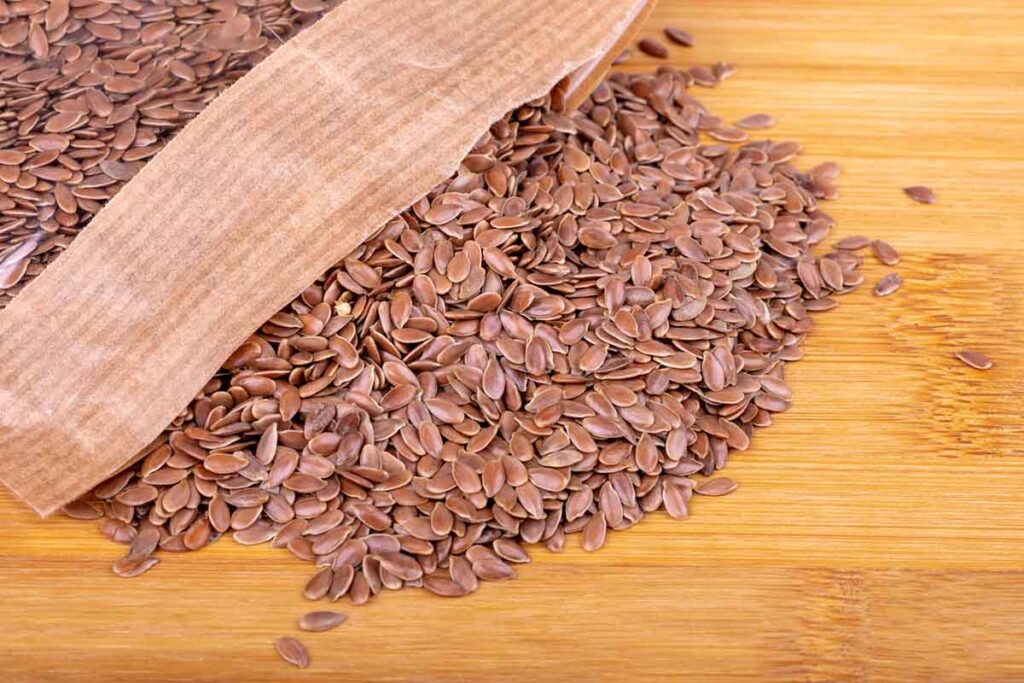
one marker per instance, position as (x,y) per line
(878,531)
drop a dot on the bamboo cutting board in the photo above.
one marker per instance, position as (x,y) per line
(878,532)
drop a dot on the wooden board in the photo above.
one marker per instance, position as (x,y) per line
(878,532)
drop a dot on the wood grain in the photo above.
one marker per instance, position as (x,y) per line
(878,532)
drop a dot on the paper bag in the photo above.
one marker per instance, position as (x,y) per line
(280,177)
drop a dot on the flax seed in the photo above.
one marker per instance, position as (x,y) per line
(558,339)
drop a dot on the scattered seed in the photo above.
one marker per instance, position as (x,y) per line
(652,47)
(321,620)
(594,533)
(131,566)
(975,359)
(756,121)
(719,486)
(920,193)
(885,253)
(318,585)
(853,242)
(679,37)
(292,651)
(888,284)
(81,510)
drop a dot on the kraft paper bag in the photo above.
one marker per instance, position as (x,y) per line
(280,177)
